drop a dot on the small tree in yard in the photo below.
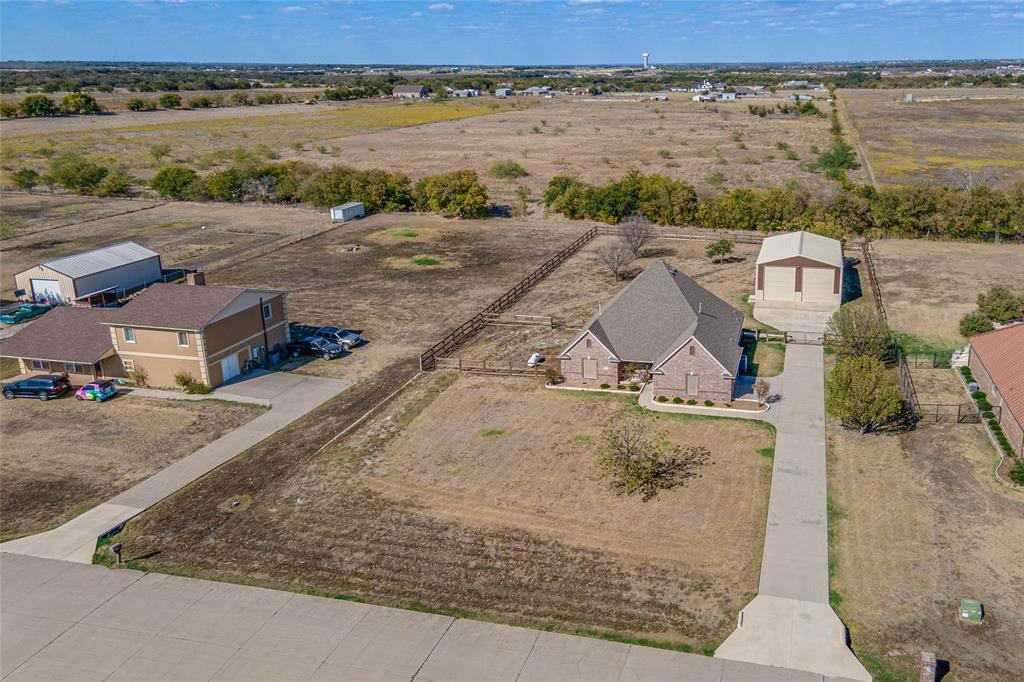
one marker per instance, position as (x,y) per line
(522,195)
(717,251)
(636,458)
(25,178)
(999,305)
(616,257)
(857,329)
(862,393)
(761,390)
(635,232)
(975,323)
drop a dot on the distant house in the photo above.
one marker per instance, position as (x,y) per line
(801,98)
(80,276)
(793,85)
(503,92)
(800,267)
(347,212)
(997,363)
(537,90)
(666,325)
(208,332)
(466,92)
(727,96)
(409,91)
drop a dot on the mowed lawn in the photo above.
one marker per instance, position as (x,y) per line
(62,457)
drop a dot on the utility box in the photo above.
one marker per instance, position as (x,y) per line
(347,212)
(972,386)
(971,610)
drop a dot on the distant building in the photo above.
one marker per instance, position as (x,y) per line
(801,98)
(409,91)
(659,98)
(466,92)
(503,92)
(347,212)
(647,60)
(727,96)
(792,85)
(537,91)
(89,274)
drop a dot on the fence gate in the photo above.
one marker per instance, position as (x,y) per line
(806,338)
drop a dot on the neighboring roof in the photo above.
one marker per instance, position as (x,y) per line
(64,334)
(806,244)
(98,260)
(1002,353)
(659,311)
(184,306)
(408,88)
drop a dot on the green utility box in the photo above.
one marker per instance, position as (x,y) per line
(972,610)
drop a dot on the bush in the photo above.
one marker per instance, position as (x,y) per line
(197,388)
(138,376)
(8,110)
(677,401)
(965,371)
(691,401)
(80,103)
(984,405)
(552,375)
(170,101)
(977,395)
(606,385)
(988,414)
(25,178)
(507,170)
(139,104)
(173,181)
(456,194)
(116,184)
(201,103)
(76,174)
(184,379)
(662,398)
(621,387)
(37,105)
(634,387)
(709,403)
(1017,472)
(999,305)
(378,190)
(975,323)
(862,393)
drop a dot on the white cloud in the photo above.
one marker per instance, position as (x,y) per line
(597,2)
(442,7)
(344,27)
(416,14)
(246,17)
(293,8)
(846,5)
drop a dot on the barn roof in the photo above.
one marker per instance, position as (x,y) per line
(98,260)
(1002,353)
(806,244)
(659,311)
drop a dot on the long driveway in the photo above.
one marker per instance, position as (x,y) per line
(290,396)
(68,621)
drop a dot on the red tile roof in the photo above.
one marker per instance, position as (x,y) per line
(1002,353)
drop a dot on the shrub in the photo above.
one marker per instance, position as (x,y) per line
(8,110)
(662,398)
(552,375)
(621,387)
(606,385)
(966,371)
(975,323)
(203,102)
(634,387)
(999,305)
(984,405)
(197,387)
(862,393)
(378,190)
(184,379)
(74,173)
(138,376)
(457,194)
(25,178)
(677,401)
(978,395)
(173,181)
(1017,472)
(709,403)
(691,401)
(37,105)
(80,103)
(170,101)
(139,104)
(988,414)
(507,170)
(116,184)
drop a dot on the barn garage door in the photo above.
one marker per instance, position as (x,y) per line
(779,283)
(46,290)
(818,284)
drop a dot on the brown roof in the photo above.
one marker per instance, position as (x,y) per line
(176,306)
(408,88)
(1002,353)
(64,334)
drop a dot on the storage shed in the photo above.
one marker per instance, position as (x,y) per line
(347,212)
(800,267)
(77,277)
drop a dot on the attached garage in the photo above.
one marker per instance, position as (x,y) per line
(800,267)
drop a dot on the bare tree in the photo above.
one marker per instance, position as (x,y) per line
(635,232)
(638,459)
(761,390)
(967,179)
(616,257)
(262,189)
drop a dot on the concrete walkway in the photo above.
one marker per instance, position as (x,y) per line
(790,623)
(67,621)
(290,395)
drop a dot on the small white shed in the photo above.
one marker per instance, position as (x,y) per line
(347,212)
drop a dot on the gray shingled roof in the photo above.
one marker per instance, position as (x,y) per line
(98,260)
(64,334)
(658,311)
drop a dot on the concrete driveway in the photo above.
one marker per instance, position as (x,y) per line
(291,396)
(794,317)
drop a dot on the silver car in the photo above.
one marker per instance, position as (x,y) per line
(342,337)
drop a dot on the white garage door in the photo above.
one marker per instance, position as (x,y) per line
(46,290)
(818,284)
(779,283)
(229,367)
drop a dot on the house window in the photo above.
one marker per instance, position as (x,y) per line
(693,350)
(183,339)
(588,343)
(129,335)
(129,365)
(40,364)
(74,368)
(267,312)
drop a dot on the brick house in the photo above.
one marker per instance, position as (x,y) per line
(997,362)
(168,328)
(665,326)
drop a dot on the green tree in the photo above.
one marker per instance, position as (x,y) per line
(522,196)
(170,101)
(37,105)
(159,151)
(173,181)
(458,194)
(857,329)
(139,104)
(862,393)
(80,103)
(975,323)
(716,251)
(224,185)
(25,178)
(75,174)
(999,305)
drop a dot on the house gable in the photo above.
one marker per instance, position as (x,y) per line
(680,358)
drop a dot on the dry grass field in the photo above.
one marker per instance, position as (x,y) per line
(927,286)
(926,140)
(62,457)
(921,522)
(480,496)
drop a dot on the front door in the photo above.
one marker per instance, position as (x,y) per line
(229,367)
(692,384)
(590,368)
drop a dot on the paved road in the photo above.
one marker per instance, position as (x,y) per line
(69,621)
(290,395)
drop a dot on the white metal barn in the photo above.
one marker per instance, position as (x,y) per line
(75,278)
(347,212)
(800,267)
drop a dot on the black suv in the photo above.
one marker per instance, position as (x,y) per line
(41,386)
(311,345)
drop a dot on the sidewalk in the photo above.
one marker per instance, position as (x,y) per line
(66,621)
(290,395)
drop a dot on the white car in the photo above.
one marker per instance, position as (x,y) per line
(535,360)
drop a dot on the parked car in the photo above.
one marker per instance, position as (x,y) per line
(41,386)
(97,390)
(535,360)
(300,331)
(24,312)
(342,337)
(311,345)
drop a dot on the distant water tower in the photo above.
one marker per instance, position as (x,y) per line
(647,60)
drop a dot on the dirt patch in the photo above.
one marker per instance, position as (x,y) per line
(62,457)
(422,261)
(921,524)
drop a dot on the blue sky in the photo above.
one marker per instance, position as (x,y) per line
(509,31)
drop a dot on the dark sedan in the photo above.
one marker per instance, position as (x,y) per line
(41,386)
